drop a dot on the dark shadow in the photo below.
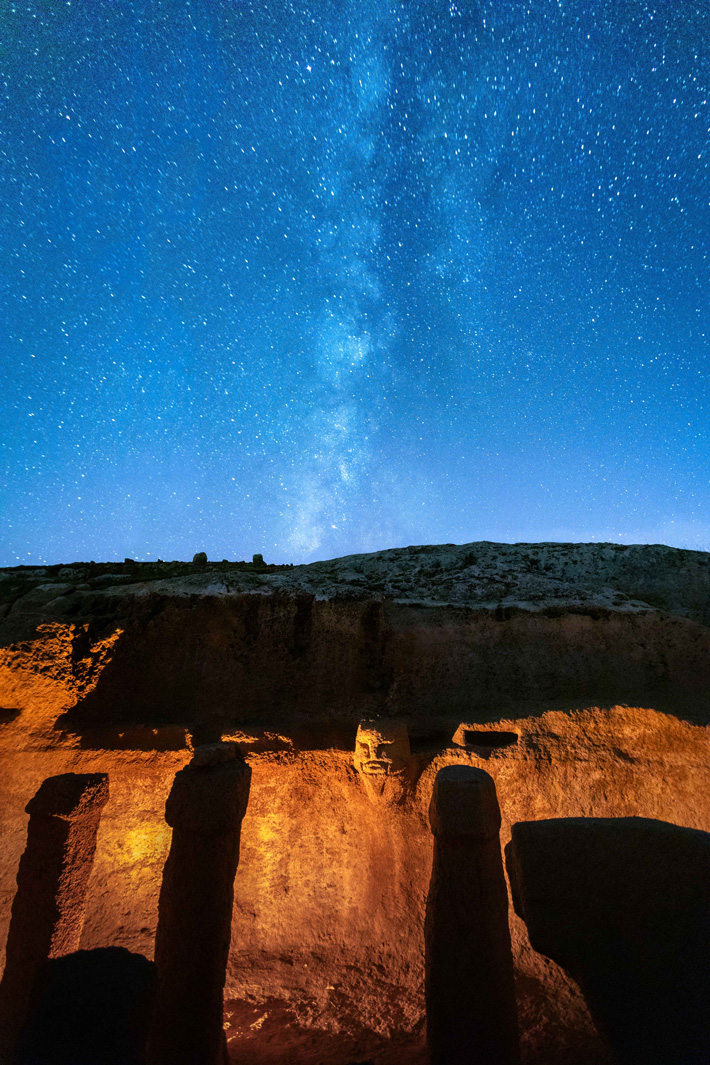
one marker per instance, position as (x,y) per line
(623,905)
(8,713)
(205,808)
(489,739)
(135,738)
(468,963)
(52,881)
(323,735)
(92,1007)
(430,741)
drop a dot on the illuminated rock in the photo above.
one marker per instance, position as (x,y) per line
(383,758)
(576,675)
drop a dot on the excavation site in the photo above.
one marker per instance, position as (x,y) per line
(389,808)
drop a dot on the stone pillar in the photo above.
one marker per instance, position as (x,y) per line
(205,809)
(52,879)
(470,997)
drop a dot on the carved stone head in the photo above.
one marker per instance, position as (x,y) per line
(383,757)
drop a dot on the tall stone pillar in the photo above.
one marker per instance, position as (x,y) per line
(470,997)
(52,879)
(205,809)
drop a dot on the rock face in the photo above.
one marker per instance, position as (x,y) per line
(578,676)
(383,759)
(479,629)
(484,575)
(624,906)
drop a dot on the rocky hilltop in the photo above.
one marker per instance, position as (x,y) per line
(483,576)
(478,628)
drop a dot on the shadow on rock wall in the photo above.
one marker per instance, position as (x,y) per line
(208,663)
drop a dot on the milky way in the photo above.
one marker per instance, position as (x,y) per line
(317,278)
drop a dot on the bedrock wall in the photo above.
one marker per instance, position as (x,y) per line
(331,888)
(208,661)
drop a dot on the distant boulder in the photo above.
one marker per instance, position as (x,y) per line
(257,560)
(200,559)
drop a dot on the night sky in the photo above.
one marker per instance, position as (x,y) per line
(313,278)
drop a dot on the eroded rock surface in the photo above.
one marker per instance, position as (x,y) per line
(476,629)
(578,676)
(483,574)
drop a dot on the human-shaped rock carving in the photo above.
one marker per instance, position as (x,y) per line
(383,759)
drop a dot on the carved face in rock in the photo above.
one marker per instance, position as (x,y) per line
(382,748)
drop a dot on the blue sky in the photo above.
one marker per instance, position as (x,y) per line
(312,279)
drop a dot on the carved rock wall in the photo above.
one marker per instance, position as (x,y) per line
(327,933)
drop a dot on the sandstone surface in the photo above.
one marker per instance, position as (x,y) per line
(578,676)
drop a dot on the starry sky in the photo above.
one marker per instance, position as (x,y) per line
(314,278)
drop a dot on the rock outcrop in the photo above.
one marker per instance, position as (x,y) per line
(577,676)
(478,630)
